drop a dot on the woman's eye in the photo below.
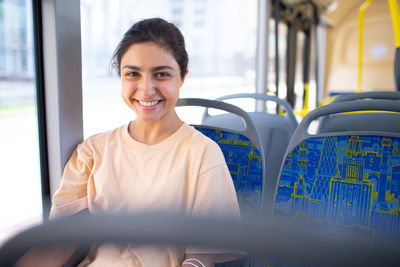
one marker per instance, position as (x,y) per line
(162,75)
(132,74)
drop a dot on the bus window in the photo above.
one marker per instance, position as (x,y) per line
(20,188)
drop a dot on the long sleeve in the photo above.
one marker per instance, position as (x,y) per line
(71,197)
(215,194)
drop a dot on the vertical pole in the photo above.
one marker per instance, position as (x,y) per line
(306,66)
(262,51)
(320,44)
(291,61)
(276,19)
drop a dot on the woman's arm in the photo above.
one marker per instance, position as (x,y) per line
(46,257)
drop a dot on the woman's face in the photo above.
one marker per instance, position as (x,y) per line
(151,81)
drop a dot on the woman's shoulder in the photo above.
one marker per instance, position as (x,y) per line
(200,140)
(196,136)
(204,150)
(100,139)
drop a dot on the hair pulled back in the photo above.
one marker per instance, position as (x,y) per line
(158,31)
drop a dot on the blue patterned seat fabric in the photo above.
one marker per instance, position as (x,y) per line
(245,166)
(351,181)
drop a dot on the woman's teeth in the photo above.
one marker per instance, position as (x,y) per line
(148,103)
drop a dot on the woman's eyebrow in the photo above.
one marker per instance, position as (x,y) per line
(131,67)
(154,69)
(157,68)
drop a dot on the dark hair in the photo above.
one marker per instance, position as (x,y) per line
(158,31)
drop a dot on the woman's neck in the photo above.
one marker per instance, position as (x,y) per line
(152,133)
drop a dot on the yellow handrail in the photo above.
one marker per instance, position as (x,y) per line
(394,11)
(305,109)
(360,40)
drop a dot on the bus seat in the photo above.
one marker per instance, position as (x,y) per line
(242,151)
(275,131)
(382,121)
(244,156)
(348,180)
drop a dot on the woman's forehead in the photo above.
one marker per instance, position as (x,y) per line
(148,53)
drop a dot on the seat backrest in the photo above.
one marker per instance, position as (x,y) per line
(382,121)
(275,131)
(243,154)
(350,179)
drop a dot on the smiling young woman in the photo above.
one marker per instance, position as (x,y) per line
(156,163)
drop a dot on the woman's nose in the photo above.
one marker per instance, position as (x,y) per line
(147,87)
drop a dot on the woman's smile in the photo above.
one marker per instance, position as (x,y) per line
(149,103)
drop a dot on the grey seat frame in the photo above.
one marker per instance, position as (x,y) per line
(382,121)
(302,133)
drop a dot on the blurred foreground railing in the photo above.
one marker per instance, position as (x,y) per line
(272,240)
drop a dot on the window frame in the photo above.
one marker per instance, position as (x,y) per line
(59,88)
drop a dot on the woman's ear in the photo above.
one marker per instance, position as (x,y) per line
(184,76)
